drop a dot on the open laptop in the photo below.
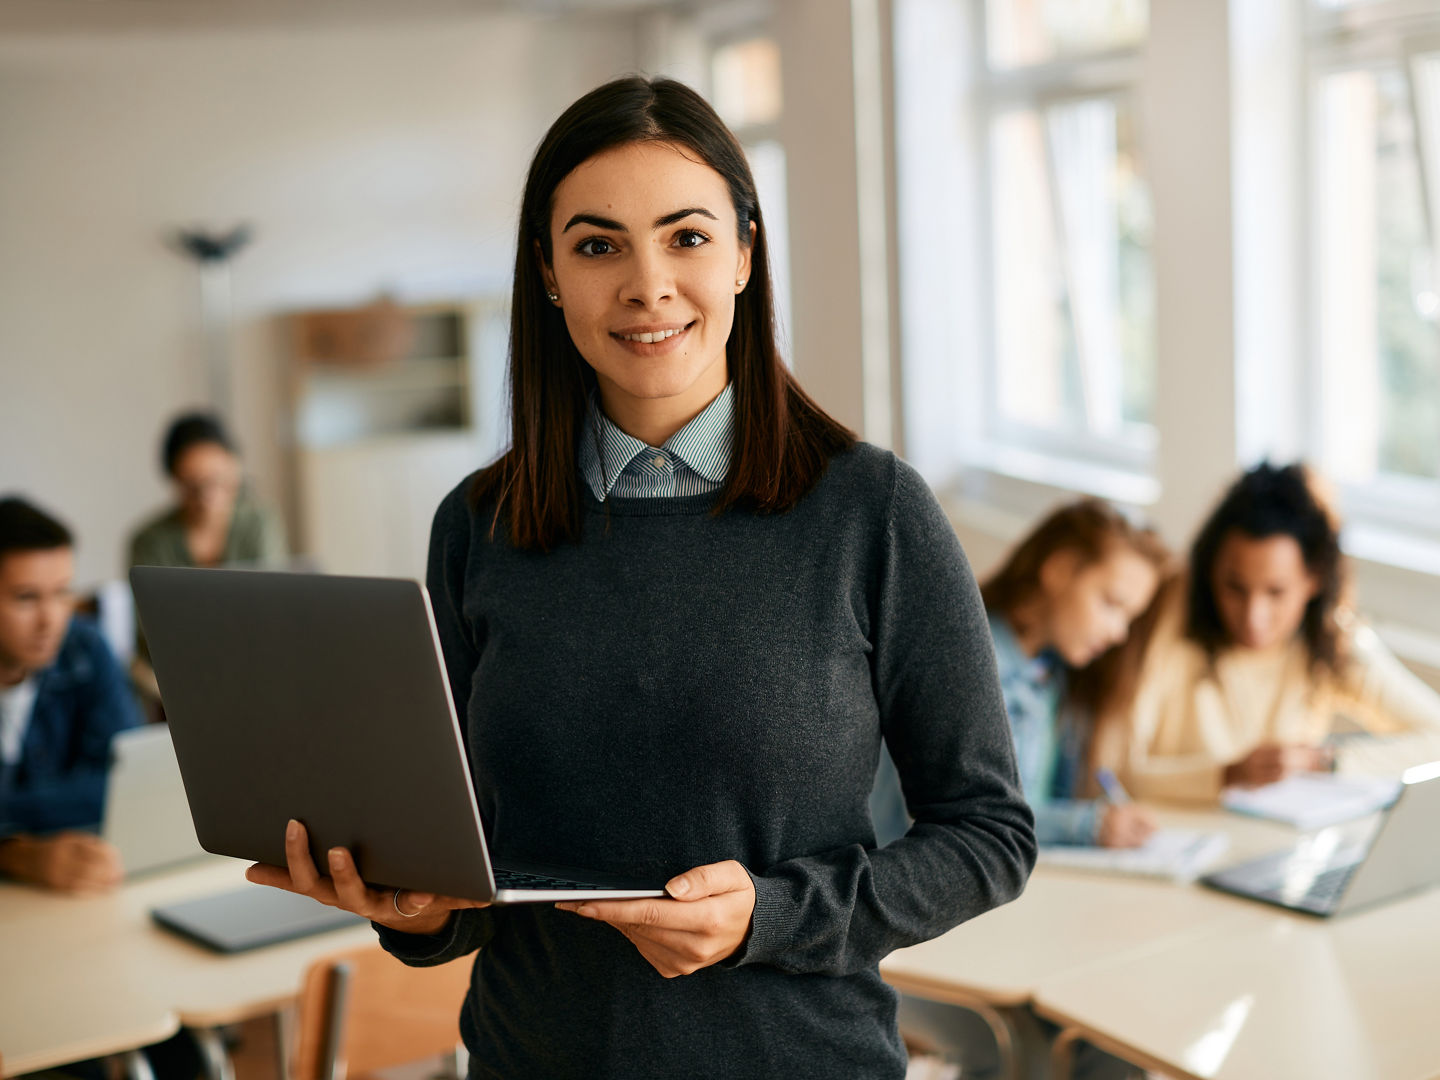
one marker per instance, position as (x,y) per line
(325,699)
(146,816)
(1347,867)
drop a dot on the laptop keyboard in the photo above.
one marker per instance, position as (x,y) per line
(1266,881)
(514,879)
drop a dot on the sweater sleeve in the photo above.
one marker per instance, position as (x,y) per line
(470,928)
(1166,684)
(1392,702)
(1067,821)
(972,844)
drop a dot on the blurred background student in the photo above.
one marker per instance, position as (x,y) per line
(1059,605)
(213,522)
(62,699)
(1258,659)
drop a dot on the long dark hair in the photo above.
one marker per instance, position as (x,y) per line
(783,439)
(1091,528)
(1272,501)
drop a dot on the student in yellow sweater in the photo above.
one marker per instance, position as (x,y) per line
(1258,668)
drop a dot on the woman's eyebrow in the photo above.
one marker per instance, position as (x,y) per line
(596,220)
(615,226)
(680,215)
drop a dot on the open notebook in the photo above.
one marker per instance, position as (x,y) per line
(1314,800)
(1169,854)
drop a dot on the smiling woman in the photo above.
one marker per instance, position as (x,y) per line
(679,615)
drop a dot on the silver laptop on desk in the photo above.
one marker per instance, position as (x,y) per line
(146,815)
(1347,867)
(325,699)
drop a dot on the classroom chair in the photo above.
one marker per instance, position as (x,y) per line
(361,1010)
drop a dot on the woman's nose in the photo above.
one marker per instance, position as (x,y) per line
(650,281)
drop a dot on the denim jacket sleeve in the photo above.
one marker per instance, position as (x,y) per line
(1068,821)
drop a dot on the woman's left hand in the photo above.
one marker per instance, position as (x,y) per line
(706,921)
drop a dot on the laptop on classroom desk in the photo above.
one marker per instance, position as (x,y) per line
(148,821)
(146,816)
(1344,868)
(325,699)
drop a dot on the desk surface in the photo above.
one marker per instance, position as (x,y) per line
(100,977)
(1069,920)
(1292,1000)
(1204,985)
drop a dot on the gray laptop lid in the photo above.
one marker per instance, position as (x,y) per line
(322,699)
(1403,857)
(146,815)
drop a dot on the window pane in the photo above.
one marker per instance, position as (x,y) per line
(1074,323)
(1377,335)
(746,77)
(767,163)
(1022,32)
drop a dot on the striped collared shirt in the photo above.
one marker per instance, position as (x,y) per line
(693,461)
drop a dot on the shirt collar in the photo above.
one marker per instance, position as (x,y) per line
(703,444)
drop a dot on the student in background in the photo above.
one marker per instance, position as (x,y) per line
(62,698)
(1058,607)
(1258,657)
(214,521)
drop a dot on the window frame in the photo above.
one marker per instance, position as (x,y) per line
(1118,467)
(1391,517)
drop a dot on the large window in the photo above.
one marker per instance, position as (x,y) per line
(745,90)
(1043,146)
(1375,294)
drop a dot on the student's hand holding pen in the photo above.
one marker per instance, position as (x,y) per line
(400,909)
(1123,824)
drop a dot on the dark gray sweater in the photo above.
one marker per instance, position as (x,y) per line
(679,689)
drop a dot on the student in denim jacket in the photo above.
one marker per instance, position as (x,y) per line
(1059,607)
(62,699)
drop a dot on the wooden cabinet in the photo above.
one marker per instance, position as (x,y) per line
(391,406)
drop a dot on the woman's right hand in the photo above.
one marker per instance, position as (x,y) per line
(1125,825)
(1270,762)
(406,910)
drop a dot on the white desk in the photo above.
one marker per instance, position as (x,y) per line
(1294,999)
(96,976)
(1200,984)
(1067,921)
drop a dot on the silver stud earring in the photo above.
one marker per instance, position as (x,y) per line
(552,296)
(740,283)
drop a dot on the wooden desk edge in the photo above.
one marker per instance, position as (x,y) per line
(951,993)
(205,1018)
(1114,1046)
(83,1049)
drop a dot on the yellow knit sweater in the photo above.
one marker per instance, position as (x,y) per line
(1192,717)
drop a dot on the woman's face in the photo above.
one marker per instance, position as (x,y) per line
(207,479)
(1090,606)
(647,265)
(1262,587)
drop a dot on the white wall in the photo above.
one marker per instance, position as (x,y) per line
(387,156)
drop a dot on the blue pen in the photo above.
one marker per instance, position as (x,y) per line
(1115,793)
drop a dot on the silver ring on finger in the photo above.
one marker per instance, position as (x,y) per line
(395,900)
